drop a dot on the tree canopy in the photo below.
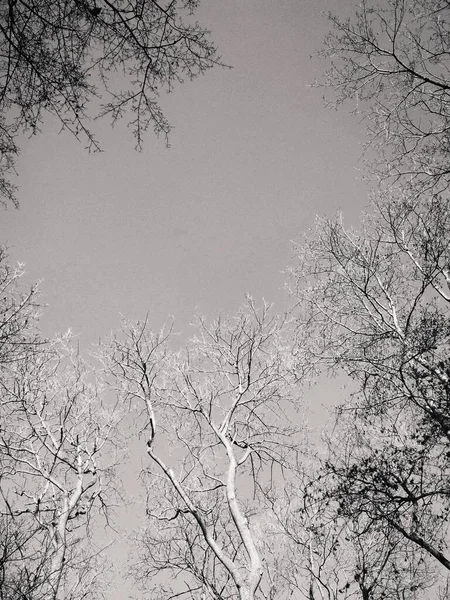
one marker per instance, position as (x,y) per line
(239,502)
(391,62)
(82,59)
(374,304)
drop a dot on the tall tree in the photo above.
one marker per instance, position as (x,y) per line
(391,61)
(215,417)
(79,59)
(59,445)
(375,305)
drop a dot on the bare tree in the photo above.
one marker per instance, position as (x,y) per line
(327,554)
(21,567)
(19,314)
(375,305)
(216,419)
(79,59)
(59,444)
(391,60)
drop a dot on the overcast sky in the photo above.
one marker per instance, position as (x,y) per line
(254,155)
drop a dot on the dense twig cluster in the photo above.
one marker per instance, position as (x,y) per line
(80,59)
(375,305)
(59,446)
(220,406)
(391,61)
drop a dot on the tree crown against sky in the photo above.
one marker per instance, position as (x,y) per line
(215,416)
(374,304)
(369,522)
(59,449)
(391,61)
(80,59)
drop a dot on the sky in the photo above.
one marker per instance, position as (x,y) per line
(254,155)
(190,229)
